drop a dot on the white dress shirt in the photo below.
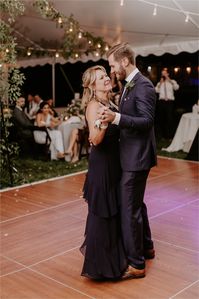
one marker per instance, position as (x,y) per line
(166,89)
(128,79)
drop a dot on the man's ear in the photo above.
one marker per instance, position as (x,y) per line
(125,61)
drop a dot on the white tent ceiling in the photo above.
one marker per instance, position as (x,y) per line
(133,22)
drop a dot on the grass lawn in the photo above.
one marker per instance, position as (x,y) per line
(29,170)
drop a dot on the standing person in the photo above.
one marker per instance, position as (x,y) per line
(52,110)
(35,107)
(165,106)
(102,248)
(137,155)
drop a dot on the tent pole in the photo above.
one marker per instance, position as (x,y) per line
(53,81)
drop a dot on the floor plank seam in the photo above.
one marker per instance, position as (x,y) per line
(166,174)
(173,209)
(184,289)
(58,206)
(42,210)
(48,277)
(32,265)
(177,246)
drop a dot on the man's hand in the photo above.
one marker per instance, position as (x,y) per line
(106,115)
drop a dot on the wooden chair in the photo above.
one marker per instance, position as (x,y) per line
(43,149)
(84,145)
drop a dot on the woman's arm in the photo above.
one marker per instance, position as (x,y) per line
(54,122)
(96,134)
(40,121)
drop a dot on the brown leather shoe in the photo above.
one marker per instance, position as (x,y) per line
(149,254)
(133,273)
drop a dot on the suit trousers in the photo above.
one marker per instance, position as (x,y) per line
(134,219)
(165,116)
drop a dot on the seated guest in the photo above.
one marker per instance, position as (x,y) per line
(52,110)
(73,148)
(23,127)
(45,119)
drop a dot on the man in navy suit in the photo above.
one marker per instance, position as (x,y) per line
(137,153)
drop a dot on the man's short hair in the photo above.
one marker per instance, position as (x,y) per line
(122,50)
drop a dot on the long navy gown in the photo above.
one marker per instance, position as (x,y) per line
(104,256)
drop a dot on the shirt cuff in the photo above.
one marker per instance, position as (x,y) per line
(116,119)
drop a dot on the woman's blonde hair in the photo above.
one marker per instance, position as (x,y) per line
(88,80)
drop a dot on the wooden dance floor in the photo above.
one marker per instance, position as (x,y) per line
(42,227)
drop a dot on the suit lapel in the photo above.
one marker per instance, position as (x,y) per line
(124,94)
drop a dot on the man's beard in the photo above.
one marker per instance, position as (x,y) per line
(121,75)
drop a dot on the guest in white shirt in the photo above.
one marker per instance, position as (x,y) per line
(35,106)
(165,106)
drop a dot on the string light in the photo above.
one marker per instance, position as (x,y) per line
(155,10)
(76,55)
(188,69)
(106,48)
(187,18)
(71,27)
(29,52)
(176,69)
(149,69)
(57,54)
(80,35)
(59,20)
(99,45)
(7,50)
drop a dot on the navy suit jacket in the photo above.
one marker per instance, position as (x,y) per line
(137,138)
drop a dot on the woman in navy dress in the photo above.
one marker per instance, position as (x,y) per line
(104,256)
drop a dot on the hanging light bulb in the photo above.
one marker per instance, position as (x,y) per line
(76,55)
(188,69)
(80,34)
(71,27)
(47,8)
(155,10)
(187,18)
(96,54)
(149,69)
(121,2)
(106,48)
(176,69)
(59,21)
(29,52)
(57,54)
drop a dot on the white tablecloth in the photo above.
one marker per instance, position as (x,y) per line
(185,133)
(66,129)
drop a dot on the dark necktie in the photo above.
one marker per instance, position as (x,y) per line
(165,91)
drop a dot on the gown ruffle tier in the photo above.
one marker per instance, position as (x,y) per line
(103,247)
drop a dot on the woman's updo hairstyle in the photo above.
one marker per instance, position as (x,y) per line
(88,83)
